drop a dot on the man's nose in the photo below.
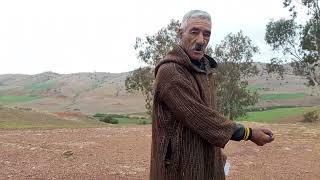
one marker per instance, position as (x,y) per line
(200,39)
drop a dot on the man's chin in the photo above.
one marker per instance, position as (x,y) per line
(197,57)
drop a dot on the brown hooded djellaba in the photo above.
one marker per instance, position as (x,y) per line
(187,131)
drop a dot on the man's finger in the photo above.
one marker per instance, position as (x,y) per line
(269,137)
(267,131)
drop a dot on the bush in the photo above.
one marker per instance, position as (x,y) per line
(99,115)
(114,121)
(312,116)
(106,119)
(117,116)
(109,119)
(142,122)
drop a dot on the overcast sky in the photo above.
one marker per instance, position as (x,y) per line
(67,36)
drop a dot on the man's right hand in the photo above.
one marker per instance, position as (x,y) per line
(261,136)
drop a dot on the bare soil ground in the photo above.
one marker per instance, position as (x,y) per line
(123,152)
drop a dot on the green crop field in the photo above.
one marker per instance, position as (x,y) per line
(274,114)
(282,96)
(40,86)
(5,100)
(133,121)
(253,88)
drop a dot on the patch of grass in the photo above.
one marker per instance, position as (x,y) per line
(99,115)
(11,118)
(40,86)
(34,124)
(274,114)
(109,119)
(269,108)
(5,100)
(144,114)
(133,121)
(121,119)
(282,96)
(143,122)
(253,88)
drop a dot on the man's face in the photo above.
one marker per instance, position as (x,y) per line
(195,37)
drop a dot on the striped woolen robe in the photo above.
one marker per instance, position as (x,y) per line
(187,132)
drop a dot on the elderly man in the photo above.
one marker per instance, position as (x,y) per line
(187,131)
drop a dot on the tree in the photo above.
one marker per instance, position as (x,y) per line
(234,55)
(298,42)
(235,58)
(141,80)
(151,50)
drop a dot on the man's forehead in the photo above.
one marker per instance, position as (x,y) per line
(199,23)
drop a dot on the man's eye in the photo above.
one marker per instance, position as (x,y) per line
(194,32)
(206,34)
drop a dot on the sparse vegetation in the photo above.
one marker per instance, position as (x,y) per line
(312,116)
(121,119)
(143,122)
(109,119)
(21,118)
(98,115)
(254,89)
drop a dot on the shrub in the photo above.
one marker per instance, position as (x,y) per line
(118,116)
(312,116)
(114,121)
(106,119)
(109,119)
(143,122)
(99,115)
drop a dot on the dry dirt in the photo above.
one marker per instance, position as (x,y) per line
(124,152)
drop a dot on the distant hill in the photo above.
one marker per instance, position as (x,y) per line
(103,92)
(85,92)
(28,118)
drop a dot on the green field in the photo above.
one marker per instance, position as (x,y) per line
(253,88)
(16,118)
(274,114)
(40,86)
(132,121)
(5,100)
(46,124)
(123,119)
(22,124)
(282,96)
(57,123)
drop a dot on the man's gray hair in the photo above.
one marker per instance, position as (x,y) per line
(194,14)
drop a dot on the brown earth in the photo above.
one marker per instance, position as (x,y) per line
(123,152)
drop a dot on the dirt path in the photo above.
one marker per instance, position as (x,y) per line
(124,153)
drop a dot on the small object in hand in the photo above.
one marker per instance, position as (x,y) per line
(226,168)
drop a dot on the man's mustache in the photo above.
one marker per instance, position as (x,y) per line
(198,47)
